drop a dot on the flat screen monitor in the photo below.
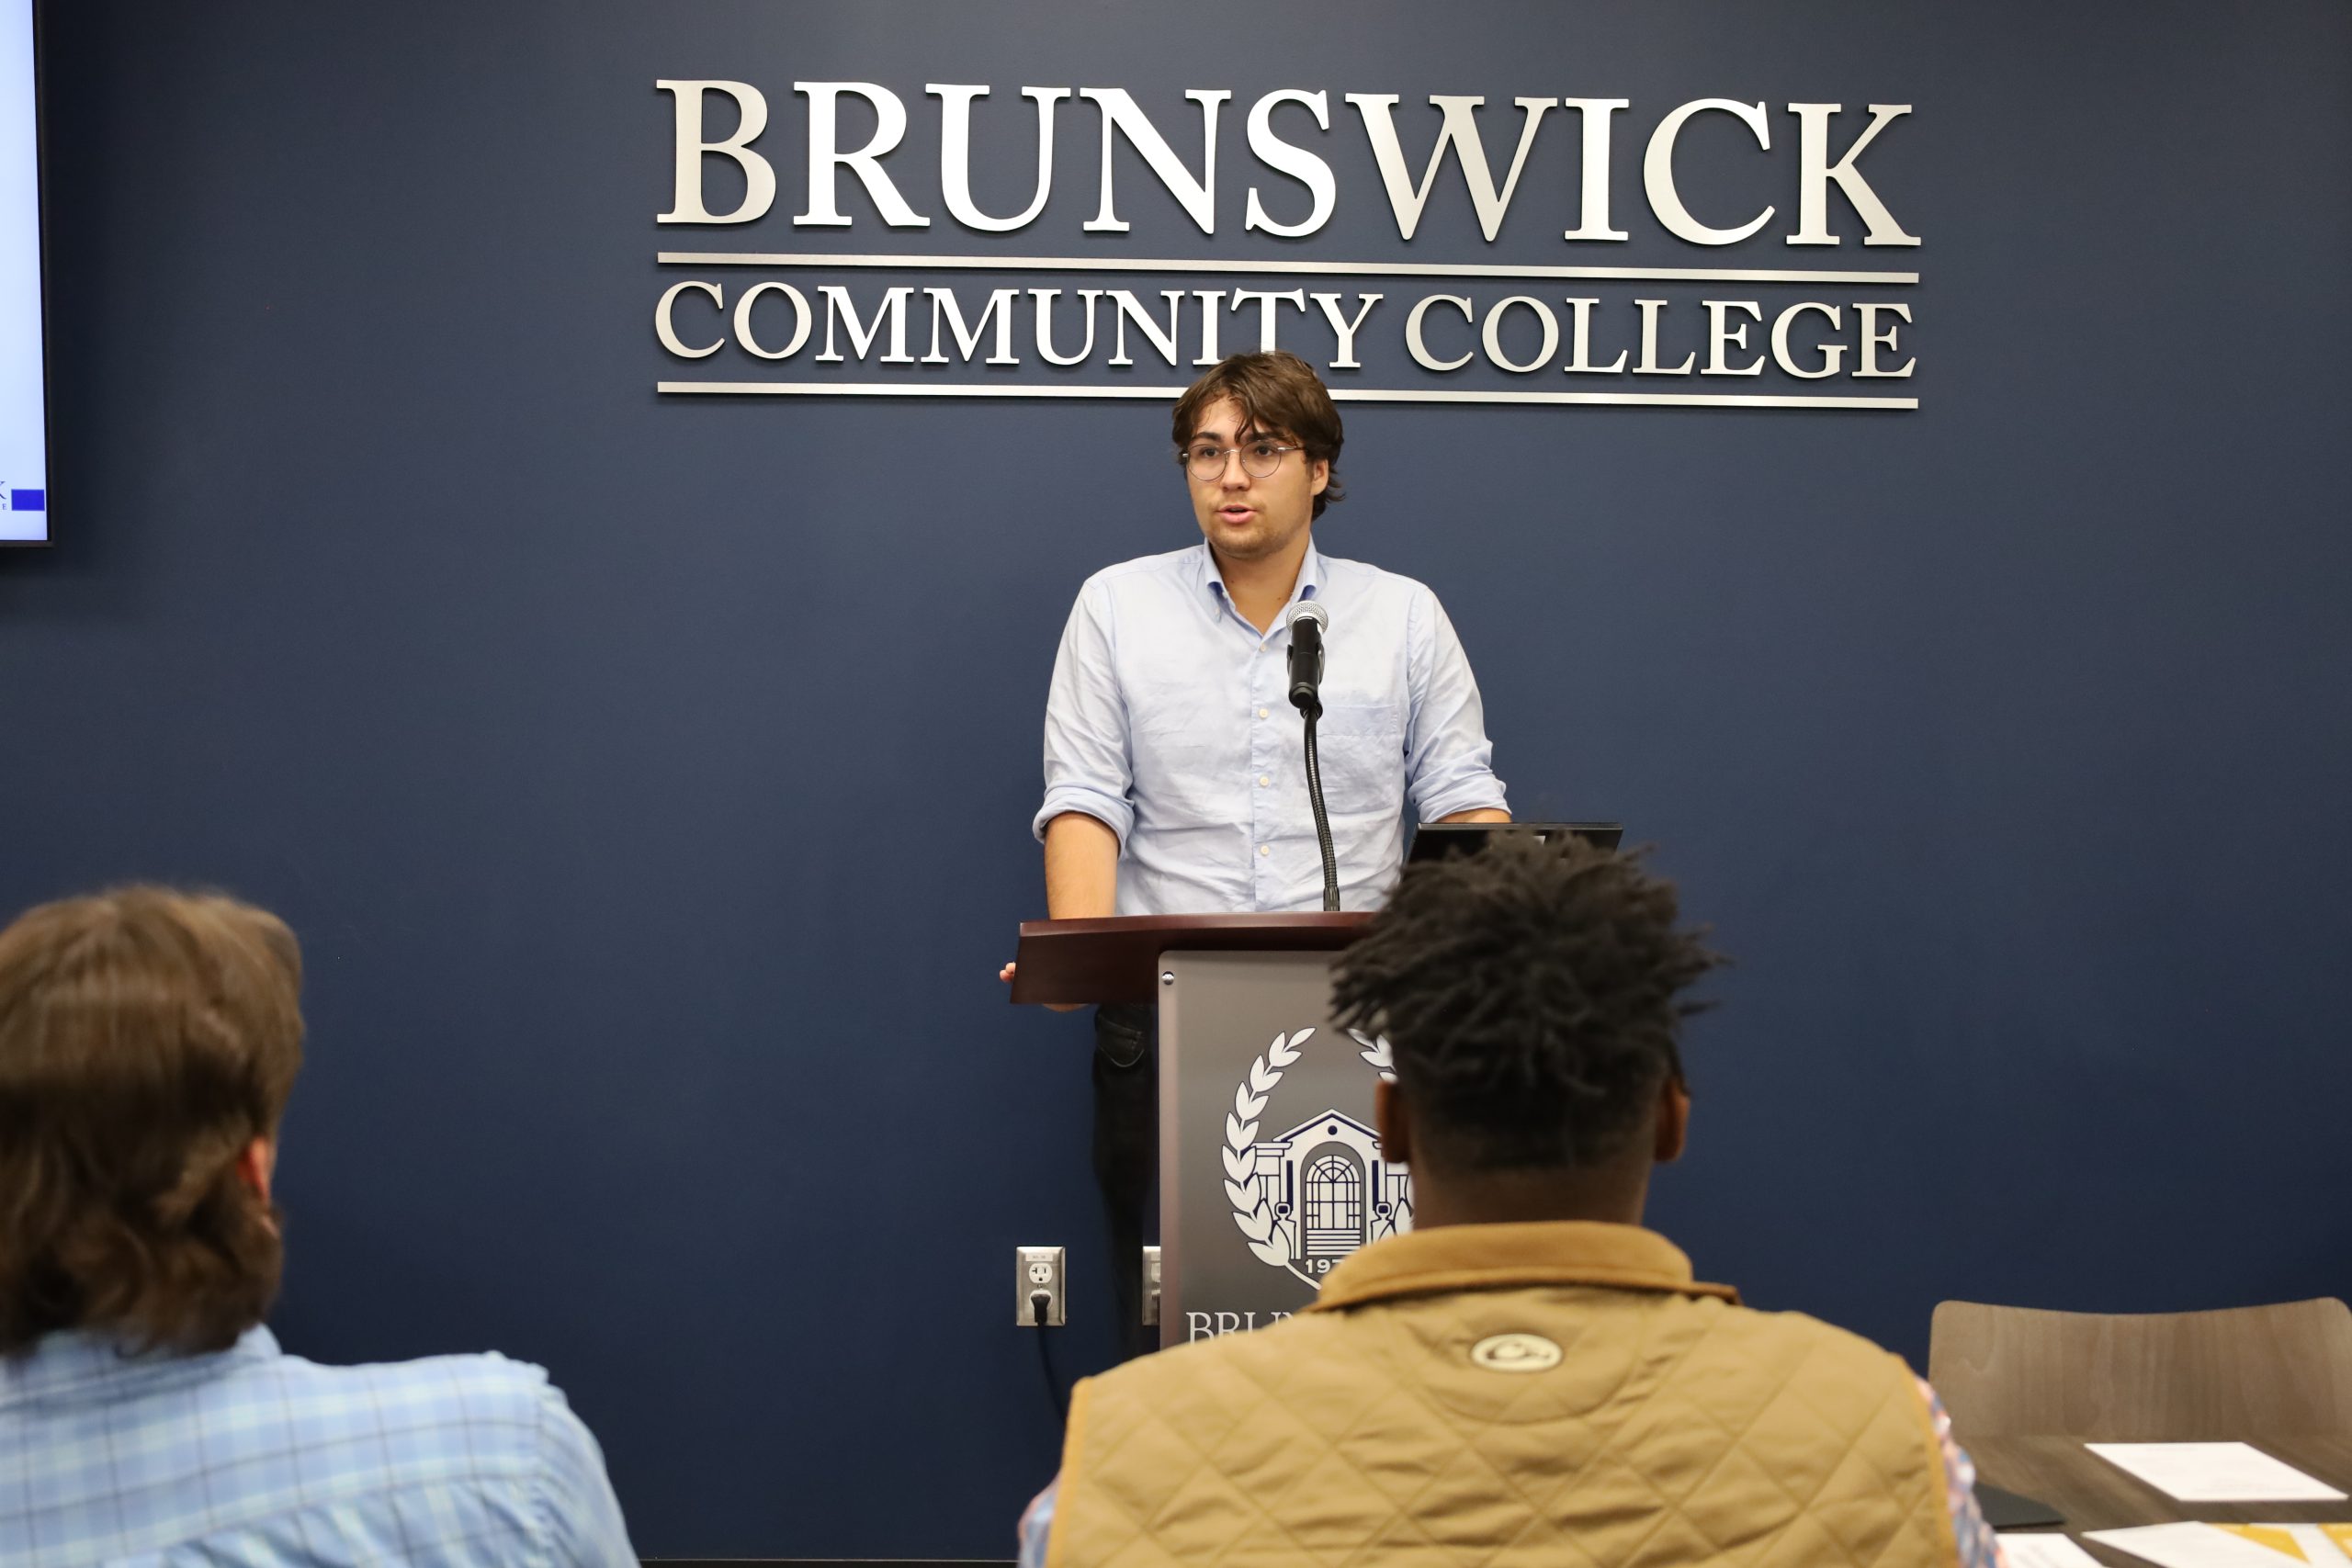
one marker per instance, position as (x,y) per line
(24,399)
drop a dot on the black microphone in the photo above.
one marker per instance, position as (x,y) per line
(1306,620)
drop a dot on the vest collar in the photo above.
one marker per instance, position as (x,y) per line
(1482,1257)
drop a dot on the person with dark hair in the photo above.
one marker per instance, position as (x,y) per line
(1528,1375)
(148,1042)
(1174,776)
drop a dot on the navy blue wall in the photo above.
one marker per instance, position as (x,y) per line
(653,894)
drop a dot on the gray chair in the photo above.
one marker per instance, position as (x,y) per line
(2156,1377)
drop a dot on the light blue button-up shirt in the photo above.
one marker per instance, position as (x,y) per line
(253,1457)
(1169,721)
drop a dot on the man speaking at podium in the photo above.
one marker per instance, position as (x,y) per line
(1175,772)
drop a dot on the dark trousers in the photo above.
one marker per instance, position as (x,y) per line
(1126,1153)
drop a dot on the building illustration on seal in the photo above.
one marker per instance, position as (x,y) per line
(1329,1192)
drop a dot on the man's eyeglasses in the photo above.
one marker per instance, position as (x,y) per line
(1259,458)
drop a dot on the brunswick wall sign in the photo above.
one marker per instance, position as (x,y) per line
(1079,314)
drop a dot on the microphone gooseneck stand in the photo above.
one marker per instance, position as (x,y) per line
(1307,621)
(1322,821)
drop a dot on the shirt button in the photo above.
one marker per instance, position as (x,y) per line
(1265,779)
(1265,848)
(1261,713)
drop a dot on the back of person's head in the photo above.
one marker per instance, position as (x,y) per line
(1531,995)
(147,1038)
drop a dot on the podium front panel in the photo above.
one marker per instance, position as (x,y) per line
(1270,1164)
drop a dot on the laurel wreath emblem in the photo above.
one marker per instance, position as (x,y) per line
(1254,1215)
(1377,1053)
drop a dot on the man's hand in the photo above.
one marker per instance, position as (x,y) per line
(1005,975)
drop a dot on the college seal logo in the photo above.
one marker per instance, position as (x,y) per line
(1307,1198)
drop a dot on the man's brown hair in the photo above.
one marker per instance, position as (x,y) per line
(1280,395)
(147,1037)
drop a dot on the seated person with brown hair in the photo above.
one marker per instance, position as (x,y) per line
(148,1041)
(1528,1376)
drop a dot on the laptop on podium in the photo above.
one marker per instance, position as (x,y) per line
(1434,841)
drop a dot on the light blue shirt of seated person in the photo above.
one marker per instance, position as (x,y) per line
(1169,721)
(258,1458)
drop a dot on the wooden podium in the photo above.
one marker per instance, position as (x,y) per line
(1118,959)
(1270,1167)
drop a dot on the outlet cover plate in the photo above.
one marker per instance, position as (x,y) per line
(1039,1268)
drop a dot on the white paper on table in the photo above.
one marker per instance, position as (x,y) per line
(2216,1472)
(2187,1546)
(2044,1548)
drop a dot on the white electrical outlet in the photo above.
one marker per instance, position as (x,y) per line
(1037,1271)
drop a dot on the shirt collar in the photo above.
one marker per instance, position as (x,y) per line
(1475,1258)
(72,1364)
(1311,573)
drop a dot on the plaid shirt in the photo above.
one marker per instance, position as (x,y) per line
(254,1457)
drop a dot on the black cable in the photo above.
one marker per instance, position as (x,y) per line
(1322,820)
(1038,1302)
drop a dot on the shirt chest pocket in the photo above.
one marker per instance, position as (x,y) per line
(1362,749)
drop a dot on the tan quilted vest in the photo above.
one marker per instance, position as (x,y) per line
(1675,1428)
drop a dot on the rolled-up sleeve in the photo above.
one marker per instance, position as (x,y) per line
(1087,765)
(1449,762)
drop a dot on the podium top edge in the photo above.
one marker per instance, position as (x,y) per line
(1118,959)
(1342,922)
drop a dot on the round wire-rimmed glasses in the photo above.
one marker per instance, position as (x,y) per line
(1259,458)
